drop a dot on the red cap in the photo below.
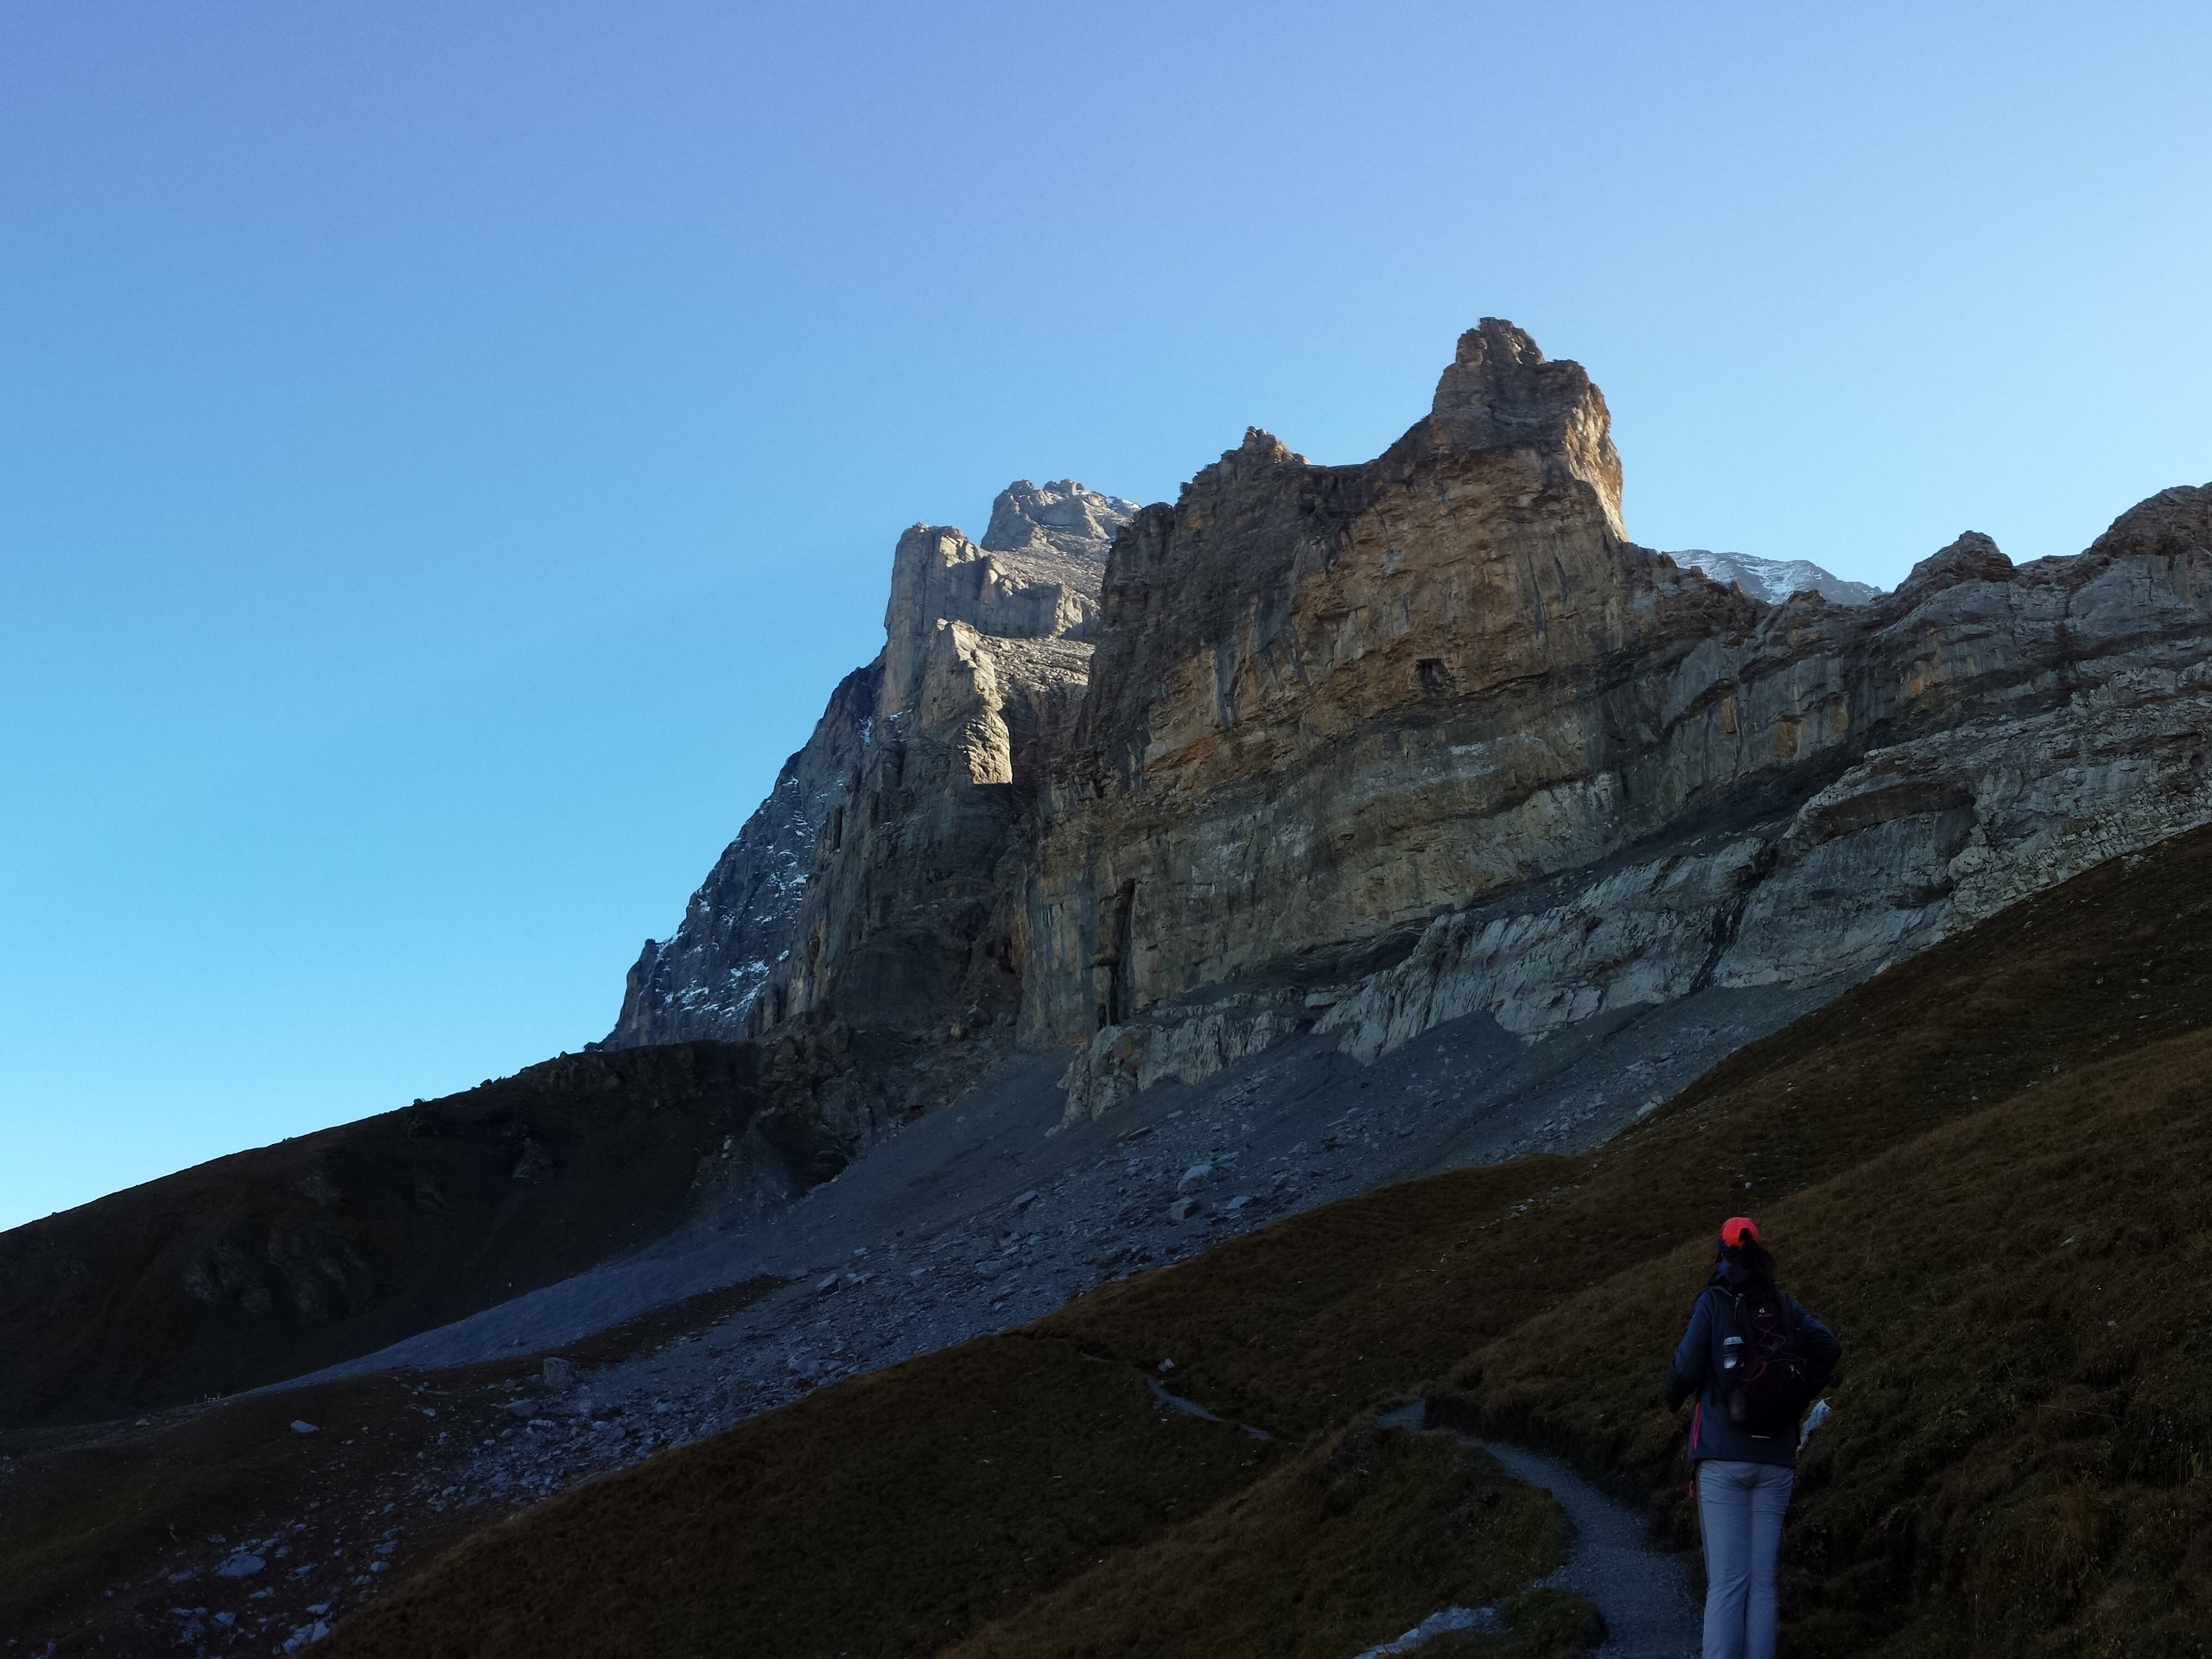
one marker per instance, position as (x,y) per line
(1736,1228)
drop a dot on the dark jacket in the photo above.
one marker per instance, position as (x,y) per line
(1696,1370)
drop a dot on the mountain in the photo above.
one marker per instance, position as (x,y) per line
(1775,580)
(1326,826)
(1366,749)
(1324,757)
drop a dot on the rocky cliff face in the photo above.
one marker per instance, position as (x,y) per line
(1370,748)
(1437,707)
(1328,702)
(909,914)
(898,809)
(703,982)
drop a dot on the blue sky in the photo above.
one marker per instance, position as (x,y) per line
(448,451)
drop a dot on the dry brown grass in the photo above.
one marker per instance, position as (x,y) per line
(92,1519)
(91,1523)
(2021,1436)
(275,1262)
(1353,1544)
(895,1514)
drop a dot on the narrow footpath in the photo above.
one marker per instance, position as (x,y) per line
(1650,1609)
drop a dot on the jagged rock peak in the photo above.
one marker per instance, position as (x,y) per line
(1498,378)
(1500,393)
(1260,452)
(1035,577)
(2168,525)
(1973,558)
(1066,516)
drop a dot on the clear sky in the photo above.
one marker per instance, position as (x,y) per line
(447,452)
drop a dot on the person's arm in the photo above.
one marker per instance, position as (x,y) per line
(1686,1373)
(1822,1346)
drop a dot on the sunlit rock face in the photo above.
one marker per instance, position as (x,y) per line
(1359,750)
(1329,701)
(1428,737)
(893,817)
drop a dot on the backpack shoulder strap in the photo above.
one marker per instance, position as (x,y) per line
(1727,1307)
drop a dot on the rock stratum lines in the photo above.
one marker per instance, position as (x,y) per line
(1366,749)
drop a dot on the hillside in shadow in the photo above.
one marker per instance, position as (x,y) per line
(269,1263)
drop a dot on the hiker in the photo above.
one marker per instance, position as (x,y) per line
(1754,1359)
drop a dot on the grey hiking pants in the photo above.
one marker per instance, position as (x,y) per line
(1739,1508)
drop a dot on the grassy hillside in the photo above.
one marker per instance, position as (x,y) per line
(2020,1441)
(896,1513)
(1980,1164)
(268,1263)
(1354,1543)
(100,1525)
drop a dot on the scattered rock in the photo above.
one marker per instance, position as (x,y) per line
(1450,1621)
(1194,1177)
(559,1373)
(302,1427)
(1183,1209)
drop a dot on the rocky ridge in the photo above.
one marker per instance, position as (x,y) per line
(2082,693)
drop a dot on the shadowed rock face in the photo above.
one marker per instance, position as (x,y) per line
(703,982)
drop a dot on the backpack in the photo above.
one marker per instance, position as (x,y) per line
(1766,1371)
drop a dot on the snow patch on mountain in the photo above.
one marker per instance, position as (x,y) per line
(1775,580)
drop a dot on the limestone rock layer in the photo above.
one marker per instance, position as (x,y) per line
(1330,704)
(1370,748)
